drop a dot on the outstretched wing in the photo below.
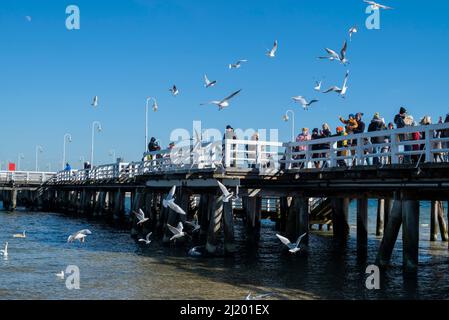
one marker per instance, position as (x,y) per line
(176,208)
(223,189)
(332,53)
(284,240)
(231,96)
(300,239)
(173,229)
(171,194)
(343,50)
(335,89)
(148,236)
(85,232)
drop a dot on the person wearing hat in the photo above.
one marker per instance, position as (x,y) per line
(360,124)
(351,124)
(341,144)
(400,117)
(316,136)
(377,124)
(230,135)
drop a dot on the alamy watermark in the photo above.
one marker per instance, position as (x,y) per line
(73,20)
(373,280)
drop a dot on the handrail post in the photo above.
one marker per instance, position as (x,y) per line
(227,153)
(428,147)
(394,148)
(360,160)
(332,155)
(258,155)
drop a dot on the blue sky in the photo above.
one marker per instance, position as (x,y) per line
(128,50)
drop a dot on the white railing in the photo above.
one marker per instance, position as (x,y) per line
(392,147)
(25,177)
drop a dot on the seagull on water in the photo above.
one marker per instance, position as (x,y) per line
(20,235)
(305,104)
(333,55)
(227,196)
(377,6)
(258,297)
(147,239)
(208,83)
(272,53)
(141,216)
(237,65)
(293,247)
(174,90)
(4,252)
(223,103)
(341,91)
(352,31)
(177,232)
(60,275)
(80,236)
(95,102)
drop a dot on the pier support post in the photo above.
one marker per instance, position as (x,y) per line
(434,209)
(380,223)
(410,235)
(228,222)
(283,208)
(13,199)
(362,224)
(442,222)
(204,215)
(391,234)
(302,222)
(340,211)
(215,224)
(253,211)
(387,210)
(119,198)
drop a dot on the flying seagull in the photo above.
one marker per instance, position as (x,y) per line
(272,53)
(174,91)
(208,83)
(301,100)
(341,91)
(60,275)
(293,247)
(225,102)
(95,102)
(141,216)
(333,55)
(20,235)
(237,65)
(226,194)
(170,197)
(194,224)
(352,31)
(80,236)
(4,252)
(377,6)
(318,86)
(177,232)
(147,239)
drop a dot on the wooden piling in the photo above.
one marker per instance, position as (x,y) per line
(434,209)
(253,212)
(410,235)
(216,213)
(302,222)
(362,224)
(387,210)
(380,222)
(391,234)
(340,211)
(442,222)
(283,213)
(228,223)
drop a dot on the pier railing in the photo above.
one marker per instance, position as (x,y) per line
(25,177)
(374,148)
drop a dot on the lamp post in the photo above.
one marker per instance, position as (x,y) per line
(155,108)
(287,118)
(21,156)
(67,138)
(95,124)
(39,149)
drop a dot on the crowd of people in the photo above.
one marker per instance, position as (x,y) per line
(378,146)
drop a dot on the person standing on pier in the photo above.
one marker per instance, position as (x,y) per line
(341,144)
(351,126)
(376,125)
(303,137)
(230,135)
(399,120)
(317,147)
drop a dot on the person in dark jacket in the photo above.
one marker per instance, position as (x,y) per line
(377,124)
(400,117)
(316,147)
(360,124)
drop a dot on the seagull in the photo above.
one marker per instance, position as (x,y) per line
(174,91)
(237,65)
(195,252)
(20,235)
(194,224)
(80,235)
(341,91)
(170,197)
(208,83)
(318,86)
(352,31)
(258,297)
(293,247)
(60,275)
(147,239)
(272,53)
(177,232)
(226,194)
(377,6)
(141,216)
(95,102)
(4,252)
(333,55)
(172,205)
(301,100)
(225,102)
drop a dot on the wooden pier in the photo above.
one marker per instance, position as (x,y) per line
(268,179)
